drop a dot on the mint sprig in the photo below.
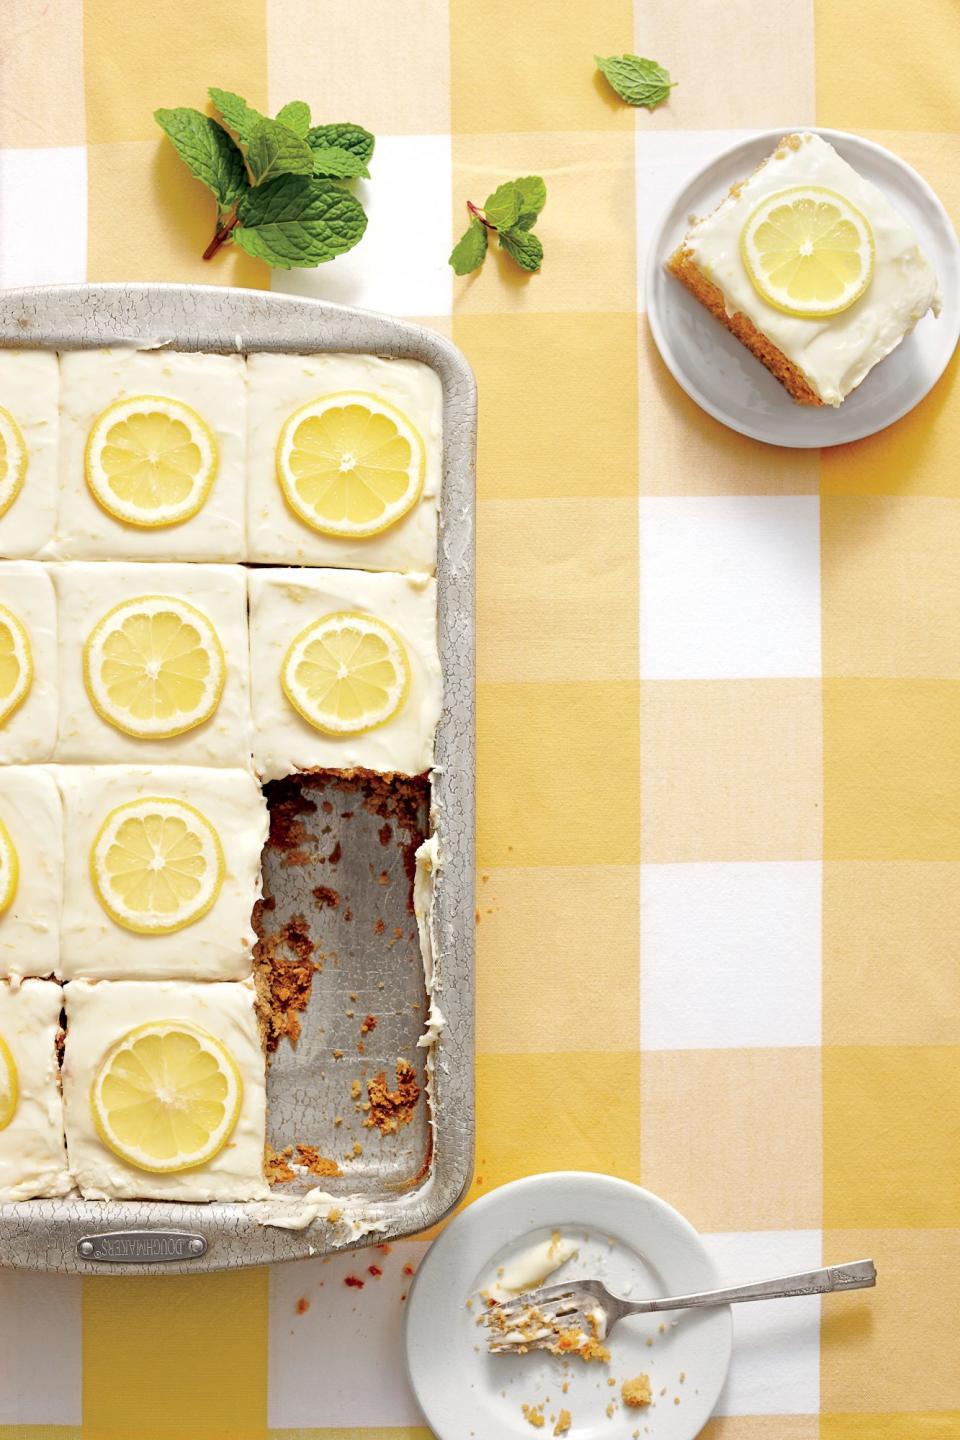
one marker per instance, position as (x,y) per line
(636,80)
(279,183)
(509,212)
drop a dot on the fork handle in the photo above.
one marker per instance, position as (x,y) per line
(859,1275)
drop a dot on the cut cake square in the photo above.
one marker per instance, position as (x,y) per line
(28,732)
(214,387)
(278,385)
(218,944)
(99,1013)
(32,815)
(86,592)
(283,603)
(30,393)
(33,1161)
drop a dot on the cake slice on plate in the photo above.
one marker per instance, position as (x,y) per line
(811,268)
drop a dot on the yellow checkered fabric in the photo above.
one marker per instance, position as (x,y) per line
(719,693)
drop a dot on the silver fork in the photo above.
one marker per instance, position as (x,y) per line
(531,1321)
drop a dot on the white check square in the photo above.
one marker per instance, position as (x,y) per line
(729,587)
(776,1352)
(322,1355)
(43,217)
(730,955)
(394,268)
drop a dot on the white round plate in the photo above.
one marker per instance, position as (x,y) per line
(724,378)
(638,1245)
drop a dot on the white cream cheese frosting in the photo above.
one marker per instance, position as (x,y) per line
(277,386)
(284,602)
(30,808)
(29,732)
(30,391)
(212,385)
(218,946)
(86,592)
(834,354)
(33,1161)
(98,1014)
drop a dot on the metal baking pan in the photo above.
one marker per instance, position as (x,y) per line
(337,872)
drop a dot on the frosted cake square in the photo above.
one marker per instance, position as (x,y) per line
(205,1041)
(28,663)
(33,1161)
(809,265)
(154,664)
(29,435)
(121,919)
(31,883)
(309,476)
(344,671)
(152,456)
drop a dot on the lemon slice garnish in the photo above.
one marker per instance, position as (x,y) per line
(346,673)
(166,1096)
(350,464)
(154,667)
(150,461)
(9,1085)
(156,865)
(13,460)
(808,251)
(9,869)
(16,663)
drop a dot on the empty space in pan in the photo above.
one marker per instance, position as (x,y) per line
(341,981)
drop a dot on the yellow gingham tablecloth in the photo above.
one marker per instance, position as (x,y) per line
(719,693)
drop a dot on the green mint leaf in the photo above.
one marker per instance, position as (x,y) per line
(533,197)
(470,250)
(296,117)
(352,138)
(238,116)
(638,81)
(294,221)
(274,150)
(207,149)
(336,164)
(503,207)
(523,247)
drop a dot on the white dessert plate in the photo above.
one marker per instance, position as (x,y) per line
(627,1237)
(723,377)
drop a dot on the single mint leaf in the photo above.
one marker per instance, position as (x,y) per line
(470,250)
(353,138)
(503,207)
(294,221)
(207,149)
(533,197)
(638,81)
(523,247)
(238,116)
(274,150)
(296,117)
(336,164)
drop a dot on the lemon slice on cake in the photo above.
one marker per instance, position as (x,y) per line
(350,464)
(808,251)
(9,1085)
(9,869)
(166,1096)
(346,673)
(16,663)
(156,865)
(13,460)
(154,667)
(150,461)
